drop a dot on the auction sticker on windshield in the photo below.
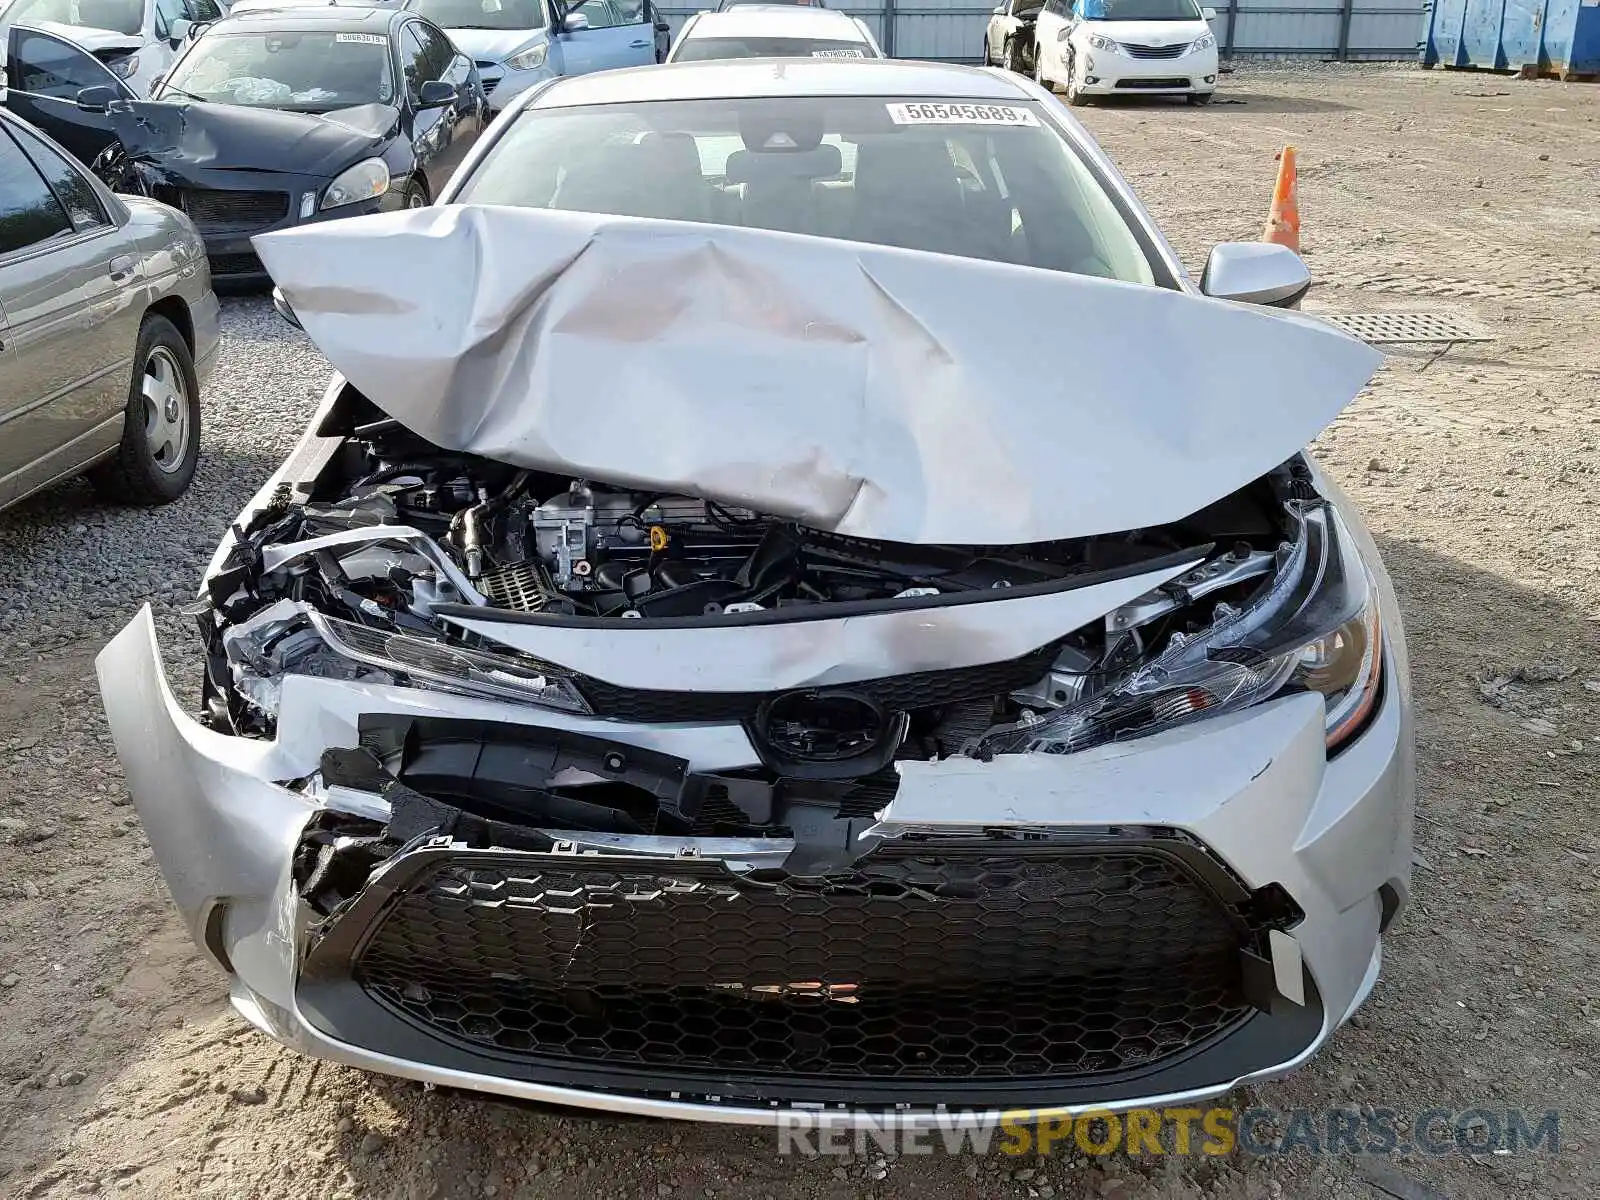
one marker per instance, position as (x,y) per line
(367,39)
(960,114)
(848,52)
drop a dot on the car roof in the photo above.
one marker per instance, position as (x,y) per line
(739,77)
(308,16)
(778,20)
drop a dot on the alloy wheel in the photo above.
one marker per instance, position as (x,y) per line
(166,410)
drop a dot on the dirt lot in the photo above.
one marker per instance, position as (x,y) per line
(122,1072)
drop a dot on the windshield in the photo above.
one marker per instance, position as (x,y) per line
(703,49)
(119,16)
(979,180)
(306,72)
(1140,10)
(482,14)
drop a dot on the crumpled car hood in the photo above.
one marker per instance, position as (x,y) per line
(238,137)
(867,390)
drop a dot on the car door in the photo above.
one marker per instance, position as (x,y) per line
(618,34)
(69,279)
(440,137)
(1047,27)
(11,402)
(1000,24)
(44,74)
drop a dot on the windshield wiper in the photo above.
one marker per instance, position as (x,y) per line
(172,91)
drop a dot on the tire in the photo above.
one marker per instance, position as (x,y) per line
(160,427)
(1039,76)
(988,55)
(1198,98)
(1013,60)
(414,196)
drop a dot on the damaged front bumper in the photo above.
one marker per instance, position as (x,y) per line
(1229,859)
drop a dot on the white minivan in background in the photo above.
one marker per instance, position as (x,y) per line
(1126,47)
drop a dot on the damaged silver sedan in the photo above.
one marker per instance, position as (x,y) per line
(712,657)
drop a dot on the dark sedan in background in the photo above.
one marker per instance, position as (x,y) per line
(270,119)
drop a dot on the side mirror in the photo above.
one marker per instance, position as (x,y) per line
(436,93)
(1256,273)
(281,304)
(575,23)
(1208,14)
(96,99)
(179,29)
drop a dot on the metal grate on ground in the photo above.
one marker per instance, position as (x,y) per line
(1400,328)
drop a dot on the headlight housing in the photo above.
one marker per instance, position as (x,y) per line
(1316,628)
(1204,42)
(366,180)
(124,68)
(1103,43)
(529,59)
(431,663)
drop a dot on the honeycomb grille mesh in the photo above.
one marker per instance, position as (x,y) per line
(906,968)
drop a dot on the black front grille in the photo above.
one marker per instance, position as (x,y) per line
(236,264)
(962,965)
(898,693)
(1146,84)
(243,210)
(1137,51)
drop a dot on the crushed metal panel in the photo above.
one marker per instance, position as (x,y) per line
(780,655)
(866,390)
(1401,328)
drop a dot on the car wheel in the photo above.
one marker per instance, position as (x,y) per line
(160,426)
(414,196)
(988,55)
(1200,97)
(1014,58)
(1039,76)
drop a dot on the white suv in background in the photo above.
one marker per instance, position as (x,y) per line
(1126,47)
(773,31)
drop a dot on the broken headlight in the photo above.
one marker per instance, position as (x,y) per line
(432,663)
(1316,628)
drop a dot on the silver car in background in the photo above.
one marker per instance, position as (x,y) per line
(108,328)
(773,31)
(710,657)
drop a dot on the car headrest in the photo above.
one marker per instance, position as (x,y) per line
(749,166)
(901,163)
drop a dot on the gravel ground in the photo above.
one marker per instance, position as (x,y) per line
(122,1072)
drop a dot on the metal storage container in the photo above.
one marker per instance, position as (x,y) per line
(1538,37)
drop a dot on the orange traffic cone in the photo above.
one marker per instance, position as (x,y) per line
(1283,222)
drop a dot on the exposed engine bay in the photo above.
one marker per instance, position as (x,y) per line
(345,574)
